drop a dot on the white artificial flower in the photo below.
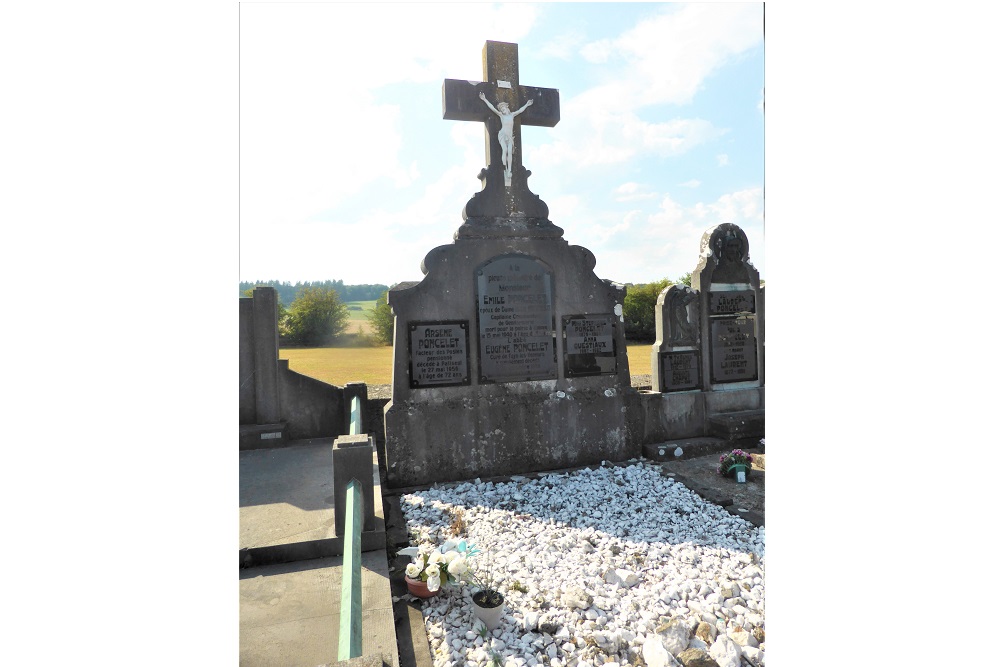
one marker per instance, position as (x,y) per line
(435,557)
(413,570)
(450,556)
(458,567)
(433,581)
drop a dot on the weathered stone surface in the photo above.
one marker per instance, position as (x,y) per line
(500,428)
(706,632)
(725,651)
(675,636)
(696,657)
(731,304)
(656,654)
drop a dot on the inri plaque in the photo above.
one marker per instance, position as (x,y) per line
(589,345)
(516,336)
(439,354)
(734,350)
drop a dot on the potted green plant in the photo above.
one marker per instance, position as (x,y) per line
(736,463)
(487,600)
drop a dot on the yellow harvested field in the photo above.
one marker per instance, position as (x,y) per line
(340,365)
(373,365)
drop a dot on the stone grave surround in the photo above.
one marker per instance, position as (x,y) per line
(509,355)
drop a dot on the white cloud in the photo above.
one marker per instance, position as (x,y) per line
(666,242)
(723,159)
(309,139)
(597,52)
(632,192)
(665,59)
(693,183)
(661,61)
(561,46)
(605,137)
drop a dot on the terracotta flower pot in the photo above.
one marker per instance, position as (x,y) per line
(419,588)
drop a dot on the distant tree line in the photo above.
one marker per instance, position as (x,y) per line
(639,309)
(287,292)
(318,315)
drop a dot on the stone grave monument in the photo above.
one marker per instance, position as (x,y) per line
(708,358)
(509,355)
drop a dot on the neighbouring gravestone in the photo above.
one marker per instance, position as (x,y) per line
(509,355)
(708,358)
(729,287)
(709,335)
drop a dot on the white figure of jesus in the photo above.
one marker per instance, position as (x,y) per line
(506,135)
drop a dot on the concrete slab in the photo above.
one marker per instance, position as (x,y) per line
(287,501)
(286,495)
(289,612)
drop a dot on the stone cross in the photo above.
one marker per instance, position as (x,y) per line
(461,101)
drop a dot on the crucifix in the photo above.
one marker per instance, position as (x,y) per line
(491,102)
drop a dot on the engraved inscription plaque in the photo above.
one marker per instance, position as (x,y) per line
(439,354)
(680,370)
(589,345)
(725,303)
(516,327)
(734,350)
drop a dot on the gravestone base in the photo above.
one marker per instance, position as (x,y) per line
(487,431)
(733,426)
(690,448)
(262,436)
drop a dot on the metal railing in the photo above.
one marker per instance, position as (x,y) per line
(355,428)
(349,642)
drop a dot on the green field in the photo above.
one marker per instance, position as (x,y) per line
(358,319)
(373,365)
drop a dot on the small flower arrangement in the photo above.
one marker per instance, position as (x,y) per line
(735,457)
(482,576)
(442,566)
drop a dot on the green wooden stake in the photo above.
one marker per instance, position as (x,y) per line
(349,642)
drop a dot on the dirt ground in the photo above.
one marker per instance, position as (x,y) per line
(702,473)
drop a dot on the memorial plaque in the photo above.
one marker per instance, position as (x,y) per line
(439,354)
(680,370)
(726,303)
(516,327)
(589,345)
(734,350)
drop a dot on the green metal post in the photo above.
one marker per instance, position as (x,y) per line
(355,416)
(349,642)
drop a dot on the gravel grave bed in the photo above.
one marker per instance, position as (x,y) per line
(610,566)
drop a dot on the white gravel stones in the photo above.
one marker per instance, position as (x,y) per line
(592,563)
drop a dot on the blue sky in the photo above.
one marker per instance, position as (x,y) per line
(348,171)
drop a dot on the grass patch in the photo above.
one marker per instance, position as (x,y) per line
(357,316)
(373,365)
(638,358)
(340,365)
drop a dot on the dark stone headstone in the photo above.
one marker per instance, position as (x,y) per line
(730,298)
(547,372)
